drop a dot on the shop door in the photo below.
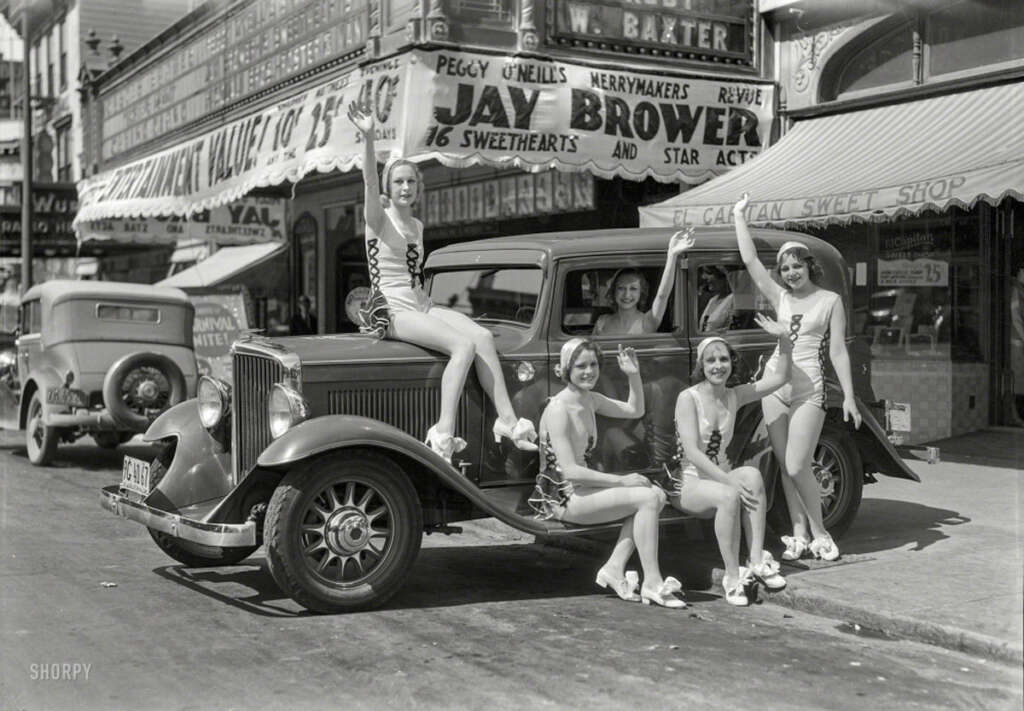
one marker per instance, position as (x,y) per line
(1012,411)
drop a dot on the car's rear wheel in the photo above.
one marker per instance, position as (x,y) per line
(196,555)
(342,531)
(40,440)
(839,472)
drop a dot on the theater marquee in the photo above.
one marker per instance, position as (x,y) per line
(705,31)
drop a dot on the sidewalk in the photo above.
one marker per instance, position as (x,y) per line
(938,562)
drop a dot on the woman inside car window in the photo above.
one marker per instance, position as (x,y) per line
(629,292)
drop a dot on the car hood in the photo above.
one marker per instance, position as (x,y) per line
(361,348)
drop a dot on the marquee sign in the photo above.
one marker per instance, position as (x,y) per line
(460,108)
(706,31)
(248,49)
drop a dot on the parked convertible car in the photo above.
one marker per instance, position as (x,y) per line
(316,449)
(95,358)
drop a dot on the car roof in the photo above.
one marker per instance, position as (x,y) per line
(56,290)
(649,239)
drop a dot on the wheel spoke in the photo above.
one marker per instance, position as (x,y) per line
(365,499)
(371,516)
(332,498)
(372,544)
(325,561)
(314,547)
(350,493)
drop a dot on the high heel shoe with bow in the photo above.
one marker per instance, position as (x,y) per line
(522,433)
(665,595)
(624,587)
(444,445)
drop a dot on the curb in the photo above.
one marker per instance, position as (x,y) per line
(800,597)
(803,597)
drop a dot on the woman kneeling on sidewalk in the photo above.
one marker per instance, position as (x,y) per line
(704,482)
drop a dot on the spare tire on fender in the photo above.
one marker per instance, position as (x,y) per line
(147,396)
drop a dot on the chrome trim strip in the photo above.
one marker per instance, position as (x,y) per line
(226,535)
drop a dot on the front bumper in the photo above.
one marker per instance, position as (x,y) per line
(223,535)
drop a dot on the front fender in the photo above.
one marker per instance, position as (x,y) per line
(200,469)
(332,432)
(41,379)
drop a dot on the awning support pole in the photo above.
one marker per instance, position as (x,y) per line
(26,156)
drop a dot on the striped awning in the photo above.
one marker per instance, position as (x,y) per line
(873,164)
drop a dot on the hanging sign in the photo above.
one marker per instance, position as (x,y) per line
(534,114)
(246,221)
(307,132)
(463,109)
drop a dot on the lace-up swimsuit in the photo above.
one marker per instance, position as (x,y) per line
(552,492)
(395,263)
(714,437)
(809,333)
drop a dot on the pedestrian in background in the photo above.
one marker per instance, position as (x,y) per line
(304,322)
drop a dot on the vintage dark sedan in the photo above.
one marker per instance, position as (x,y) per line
(315,447)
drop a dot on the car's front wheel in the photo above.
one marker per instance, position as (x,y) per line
(839,472)
(40,440)
(342,531)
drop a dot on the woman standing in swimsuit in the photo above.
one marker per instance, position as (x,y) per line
(570,489)
(705,481)
(400,309)
(816,323)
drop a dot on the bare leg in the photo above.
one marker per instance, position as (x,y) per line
(425,330)
(488,367)
(753,519)
(642,505)
(776,416)
(804,430)
(702,496)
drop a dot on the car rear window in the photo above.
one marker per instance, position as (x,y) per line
(125,312)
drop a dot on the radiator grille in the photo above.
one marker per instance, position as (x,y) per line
(411,409)
(254,376)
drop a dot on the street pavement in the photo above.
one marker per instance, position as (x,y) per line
(487,619)
(938,561)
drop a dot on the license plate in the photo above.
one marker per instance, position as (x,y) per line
(66,396)
(135,476)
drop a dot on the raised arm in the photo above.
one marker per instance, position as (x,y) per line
(372,209)
(559,432)
(748,253)
(634,406)
(841,362)
(769,382)
(679,243)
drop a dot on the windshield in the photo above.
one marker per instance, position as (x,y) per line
(493,293)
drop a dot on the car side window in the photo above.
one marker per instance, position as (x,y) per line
(590,297)
(31,317)
(727,298)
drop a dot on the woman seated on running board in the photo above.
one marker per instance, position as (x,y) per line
(629,291)
(400,309)
(815,321)
(705,481)
(570,489)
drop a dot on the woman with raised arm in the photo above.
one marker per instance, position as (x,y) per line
(705,482)
(570,489)
(629,291)
(400,309)
(815,321)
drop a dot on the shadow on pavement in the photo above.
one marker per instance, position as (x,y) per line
(886,524)
(441,577)
(89,458)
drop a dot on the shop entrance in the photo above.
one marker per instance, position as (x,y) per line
(352,283)
(1012,411)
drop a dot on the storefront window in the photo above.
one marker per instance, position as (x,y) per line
(972,34)
(886,61)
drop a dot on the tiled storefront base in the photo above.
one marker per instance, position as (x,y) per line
(945,398)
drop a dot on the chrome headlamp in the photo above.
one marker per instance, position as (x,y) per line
(285,409)
(214,400)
